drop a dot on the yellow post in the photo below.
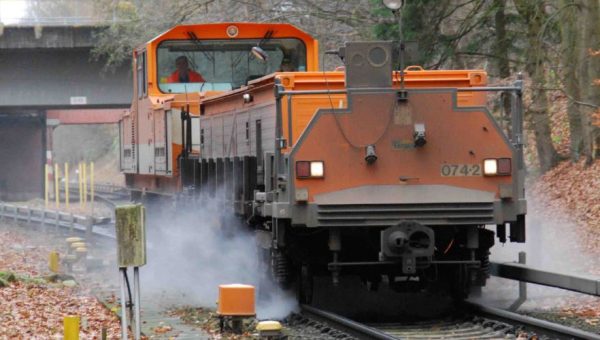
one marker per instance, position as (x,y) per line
(92,184)
(71,324)
(79,182)
(56,191)
(67,185)
(53,261)
(46,186)
(84,176)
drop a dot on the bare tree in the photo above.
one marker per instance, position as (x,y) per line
(533,13)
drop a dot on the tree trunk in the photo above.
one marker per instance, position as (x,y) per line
(570,59)
(534,15)
(502,45)
(501,49)
(589,70)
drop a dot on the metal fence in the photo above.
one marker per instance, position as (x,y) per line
(44,217)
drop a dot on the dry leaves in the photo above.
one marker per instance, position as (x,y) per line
(574,189)
(33,308)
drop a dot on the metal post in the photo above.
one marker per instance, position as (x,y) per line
(92,185)
(46,186)
(71,327)
(79,182)
(84,180)
(123,305)
(89,227)
(522,286)
(72,224)
(43,221)
(136,302)
(67,185)
(56,191)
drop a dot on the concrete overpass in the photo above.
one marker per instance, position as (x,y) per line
(47,76)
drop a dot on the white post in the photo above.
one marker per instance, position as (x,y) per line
(123,305)
(136,303)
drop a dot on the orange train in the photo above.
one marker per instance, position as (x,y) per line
(390,175)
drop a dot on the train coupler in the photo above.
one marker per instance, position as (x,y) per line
(405,242)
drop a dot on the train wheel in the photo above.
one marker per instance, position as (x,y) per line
(305,284)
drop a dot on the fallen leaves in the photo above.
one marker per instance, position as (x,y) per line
(574,189)
(31,307)
(162,329)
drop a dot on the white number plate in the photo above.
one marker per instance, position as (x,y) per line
(449,170)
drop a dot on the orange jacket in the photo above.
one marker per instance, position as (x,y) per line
(193,77)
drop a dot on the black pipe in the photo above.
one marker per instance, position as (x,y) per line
(183,120)
(188,132)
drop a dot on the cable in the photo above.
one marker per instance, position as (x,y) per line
(335,117)
(449,246)
(128,304)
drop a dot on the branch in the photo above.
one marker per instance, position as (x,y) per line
(571,98)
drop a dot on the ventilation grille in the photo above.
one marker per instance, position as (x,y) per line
(381,215)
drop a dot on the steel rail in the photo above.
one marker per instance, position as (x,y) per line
(107,193)
(356,328)
(530,321)
(520,272)
(492,314)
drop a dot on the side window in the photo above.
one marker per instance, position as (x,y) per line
(142,83)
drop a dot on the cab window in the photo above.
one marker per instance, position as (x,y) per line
(221,65)
(142,84)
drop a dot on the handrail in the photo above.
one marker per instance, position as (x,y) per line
(57,218)
(520,272)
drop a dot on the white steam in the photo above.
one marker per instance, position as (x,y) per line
(553,244)
(189,257)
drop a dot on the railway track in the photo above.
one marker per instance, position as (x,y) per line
(109,194)
(474,322)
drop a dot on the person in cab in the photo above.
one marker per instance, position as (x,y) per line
(184,74)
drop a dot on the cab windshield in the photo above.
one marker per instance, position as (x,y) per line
(220,65)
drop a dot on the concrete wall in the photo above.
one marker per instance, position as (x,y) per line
(59,78)
(22,156)
(14,37)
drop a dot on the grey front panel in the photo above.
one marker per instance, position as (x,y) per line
(386,205)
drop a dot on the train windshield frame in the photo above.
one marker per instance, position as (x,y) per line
(224,64)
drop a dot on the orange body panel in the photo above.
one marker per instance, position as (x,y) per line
(236,300)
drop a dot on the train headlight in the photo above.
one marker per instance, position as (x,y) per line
(497,167)
(490,167)
(317,169)
(310,169)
